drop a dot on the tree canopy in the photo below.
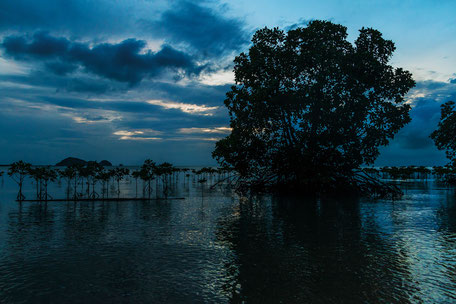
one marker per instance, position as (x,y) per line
(310,107)
(445,134)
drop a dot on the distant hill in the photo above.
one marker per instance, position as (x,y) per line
(105,163)
(69,161)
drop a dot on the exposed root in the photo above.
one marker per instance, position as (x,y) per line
(359,183)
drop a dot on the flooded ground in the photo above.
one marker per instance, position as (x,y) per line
(215,247)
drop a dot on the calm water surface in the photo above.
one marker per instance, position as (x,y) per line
(221,248)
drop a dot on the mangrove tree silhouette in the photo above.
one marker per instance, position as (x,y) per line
(444,139)
(309,108)
(18,171)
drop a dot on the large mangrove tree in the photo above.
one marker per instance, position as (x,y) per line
(309,107)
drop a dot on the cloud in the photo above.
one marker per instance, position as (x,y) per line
(145,135)
(85,120)
(61,68)
(8,67)
(204,29)
(201,25)
(40,81)
(92,118)
(222,130)
(120,114)
(412,145)
(127,133)
(125,61)
(184,107)
(115,79)
(137,135)
(86,85)
(302,22)
(210,139)
(138,138)
(75,16)
(220,77)
(425,99)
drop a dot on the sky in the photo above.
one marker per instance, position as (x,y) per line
(129,80)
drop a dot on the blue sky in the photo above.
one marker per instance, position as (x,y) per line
(129,80)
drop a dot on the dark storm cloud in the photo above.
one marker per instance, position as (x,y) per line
(412,145)
(212,95)
(122,61)
(192,92)
(301,23)
(87,86)
(61,68)
(76,17)
(112,105)
(200,27)
(39,80)
(425,115)
(70,67)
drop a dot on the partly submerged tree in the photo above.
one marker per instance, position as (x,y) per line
(164,171)
(90,173)
(42,177)
(118,174)
(18,171)
(35,174)
(70,174)
(309,107)
(136,174)
(202,181)
(47,175)
(104,176)
(147,174)
(445,134)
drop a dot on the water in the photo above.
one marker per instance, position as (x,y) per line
(221,248)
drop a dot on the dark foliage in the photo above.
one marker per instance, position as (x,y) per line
(18,171)
(309,107)
(445,135)
(125,61)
